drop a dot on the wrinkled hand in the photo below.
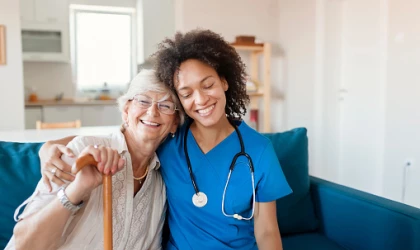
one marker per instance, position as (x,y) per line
(90,177)
(50,156)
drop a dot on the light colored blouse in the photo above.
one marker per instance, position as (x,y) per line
(137,220)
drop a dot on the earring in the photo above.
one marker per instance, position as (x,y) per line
(125,124)
(172,135)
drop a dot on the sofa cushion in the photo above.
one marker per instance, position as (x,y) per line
(312,241)
(20,169)
(295,212)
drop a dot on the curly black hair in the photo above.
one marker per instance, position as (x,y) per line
(211,49)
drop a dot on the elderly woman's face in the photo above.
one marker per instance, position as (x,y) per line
(151,116)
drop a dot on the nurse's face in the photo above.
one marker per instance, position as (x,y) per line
(201,92)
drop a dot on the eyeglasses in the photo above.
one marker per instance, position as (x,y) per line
(145,102)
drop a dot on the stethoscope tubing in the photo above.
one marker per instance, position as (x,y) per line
(231,168)
(196,190)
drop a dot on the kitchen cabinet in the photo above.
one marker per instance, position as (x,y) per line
(52,11)
(27,10)
(45,11)
(32,114)
(45,30)
(101,115)
(62,113)
(45,42)
(89,115)
(93,113)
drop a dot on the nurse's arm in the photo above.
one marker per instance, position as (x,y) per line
(266,228)
(50,156)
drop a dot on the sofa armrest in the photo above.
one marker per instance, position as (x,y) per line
(359,220)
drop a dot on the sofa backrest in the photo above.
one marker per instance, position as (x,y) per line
(19,175)
(295,212)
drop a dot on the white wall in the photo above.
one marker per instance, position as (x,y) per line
(332,45)
(297,36)
(158,23)
(403,102)
(361,110)
(11,83)
(241,17)
(230,18)
(362,137)
(49,79)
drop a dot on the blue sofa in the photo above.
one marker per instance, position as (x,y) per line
(318,215)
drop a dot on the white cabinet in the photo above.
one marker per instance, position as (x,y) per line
(101,115)
(32,114)
(89,115)
(48,42)
(45,42)
(45,30)
(44,11)
(52,11)
(27,10)
(62,113)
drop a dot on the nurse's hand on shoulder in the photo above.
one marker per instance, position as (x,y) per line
(50,157)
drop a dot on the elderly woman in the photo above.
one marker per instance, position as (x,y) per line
(70,216)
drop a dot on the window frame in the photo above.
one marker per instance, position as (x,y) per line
(74,10)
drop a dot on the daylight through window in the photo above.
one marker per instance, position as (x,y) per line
(102,48)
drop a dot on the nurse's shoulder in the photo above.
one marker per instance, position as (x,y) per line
(251,136)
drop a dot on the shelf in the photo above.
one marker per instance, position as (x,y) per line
(249,48)
(260,98)
(255,94)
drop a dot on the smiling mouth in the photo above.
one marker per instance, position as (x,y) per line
(206,111)
(154,124)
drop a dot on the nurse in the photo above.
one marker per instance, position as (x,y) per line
(222,177)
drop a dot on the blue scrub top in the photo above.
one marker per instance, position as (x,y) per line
(192,227)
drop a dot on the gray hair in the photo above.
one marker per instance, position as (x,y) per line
(146,81)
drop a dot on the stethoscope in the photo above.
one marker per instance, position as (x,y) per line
(199,199)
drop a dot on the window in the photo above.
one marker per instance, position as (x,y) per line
(103,46)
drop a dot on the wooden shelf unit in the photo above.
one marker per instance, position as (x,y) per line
(264,90)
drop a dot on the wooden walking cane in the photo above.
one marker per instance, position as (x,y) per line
(107,197)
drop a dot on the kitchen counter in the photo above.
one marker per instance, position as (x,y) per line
(68,102)
(34,135)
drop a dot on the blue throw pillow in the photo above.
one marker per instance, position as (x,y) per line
(295,212)
(19,175)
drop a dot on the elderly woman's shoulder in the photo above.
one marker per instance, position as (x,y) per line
(82,141)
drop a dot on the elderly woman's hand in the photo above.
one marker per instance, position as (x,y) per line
(90,177)
(109,160)
(54,169)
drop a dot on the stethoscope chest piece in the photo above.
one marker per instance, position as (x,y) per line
(200,199)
